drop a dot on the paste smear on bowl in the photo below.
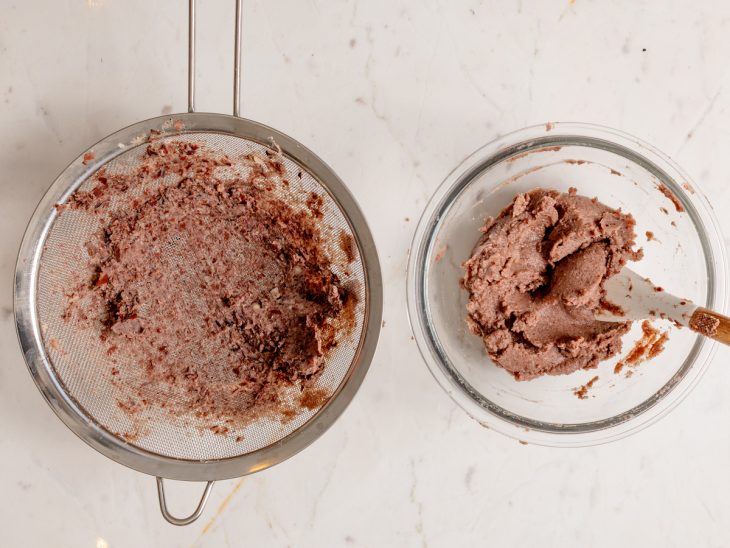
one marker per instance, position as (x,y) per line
(535,280)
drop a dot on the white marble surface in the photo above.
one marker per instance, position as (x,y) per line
(393,94)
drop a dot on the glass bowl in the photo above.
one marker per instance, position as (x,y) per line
(686,256)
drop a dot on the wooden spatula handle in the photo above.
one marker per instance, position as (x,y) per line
(710,324)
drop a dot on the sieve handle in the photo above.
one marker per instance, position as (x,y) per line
(236,58)
(192,517)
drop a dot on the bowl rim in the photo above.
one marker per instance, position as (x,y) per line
(516,143)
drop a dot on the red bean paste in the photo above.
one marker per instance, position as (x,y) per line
(218,290)
(535,281)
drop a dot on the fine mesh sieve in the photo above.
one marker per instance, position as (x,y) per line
(70,365)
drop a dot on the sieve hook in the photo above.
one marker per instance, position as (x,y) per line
(192,517)
(236,59)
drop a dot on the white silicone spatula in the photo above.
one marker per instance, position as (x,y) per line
(632,297)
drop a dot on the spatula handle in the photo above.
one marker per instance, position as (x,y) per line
(710,324)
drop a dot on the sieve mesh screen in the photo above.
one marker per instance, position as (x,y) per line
(80,360)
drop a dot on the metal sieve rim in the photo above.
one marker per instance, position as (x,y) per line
(41,368)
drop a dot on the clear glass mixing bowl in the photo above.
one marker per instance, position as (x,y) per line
(686,256)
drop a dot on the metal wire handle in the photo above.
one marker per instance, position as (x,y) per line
(192,517)
(236,58)
(191,108)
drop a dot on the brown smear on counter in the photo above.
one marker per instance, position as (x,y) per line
(664,210)
(221,507)
(582,391)
(219,339)
(649,235)
(669,194)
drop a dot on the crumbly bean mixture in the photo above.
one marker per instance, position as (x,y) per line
(218,291)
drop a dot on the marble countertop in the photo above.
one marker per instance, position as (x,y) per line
(393,94)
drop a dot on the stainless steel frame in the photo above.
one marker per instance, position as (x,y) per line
(29,329)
